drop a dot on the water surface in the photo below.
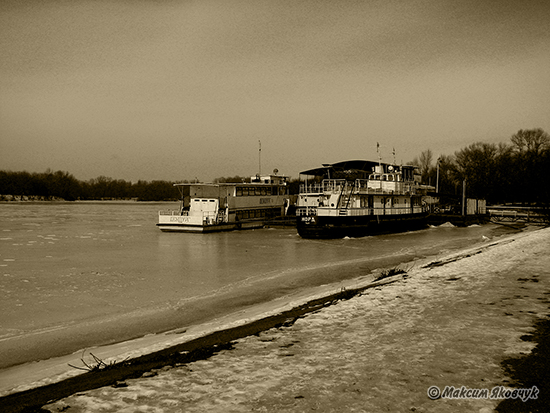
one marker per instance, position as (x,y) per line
(74,275)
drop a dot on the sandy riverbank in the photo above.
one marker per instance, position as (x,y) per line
(449,323)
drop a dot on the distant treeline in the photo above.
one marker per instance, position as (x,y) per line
(54,185)
(51,185)
(517,172)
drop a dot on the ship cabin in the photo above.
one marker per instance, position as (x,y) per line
(220,203)
(360,188)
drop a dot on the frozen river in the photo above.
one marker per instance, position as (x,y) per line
(74,275)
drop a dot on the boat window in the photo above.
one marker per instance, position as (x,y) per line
(390,177)
(239,191)
(384,177)
(264,191)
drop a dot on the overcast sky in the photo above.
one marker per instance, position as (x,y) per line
(151,89)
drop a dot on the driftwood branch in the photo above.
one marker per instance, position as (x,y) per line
(98,364)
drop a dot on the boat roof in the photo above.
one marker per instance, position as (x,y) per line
(195,183)
(270,182)
(268,179)
(355,165)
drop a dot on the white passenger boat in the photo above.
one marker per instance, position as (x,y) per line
(209,207)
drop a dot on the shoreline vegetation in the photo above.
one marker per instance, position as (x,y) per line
(62,186)
(503,173)
(53,199)
(390,296)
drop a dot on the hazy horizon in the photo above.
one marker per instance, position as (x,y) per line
(175,90)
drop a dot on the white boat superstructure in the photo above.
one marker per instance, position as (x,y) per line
(208,207)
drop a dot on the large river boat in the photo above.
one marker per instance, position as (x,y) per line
(210,207)
(359,198)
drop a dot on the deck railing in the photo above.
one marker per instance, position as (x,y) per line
(360,186)
(325,211)
(172,212)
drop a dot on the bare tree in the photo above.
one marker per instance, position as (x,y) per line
(533,141)
(476,164)
(424,162)
(532,151)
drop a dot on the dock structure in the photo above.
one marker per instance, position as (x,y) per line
(458,220)
(448,209)
(505,214)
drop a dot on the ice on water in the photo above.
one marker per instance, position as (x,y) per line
(69,263)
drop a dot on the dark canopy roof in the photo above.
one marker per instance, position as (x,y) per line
(356,166)
(341,166)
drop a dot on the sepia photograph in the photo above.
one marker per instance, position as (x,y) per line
(274,206)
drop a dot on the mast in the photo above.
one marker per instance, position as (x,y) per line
(259,158)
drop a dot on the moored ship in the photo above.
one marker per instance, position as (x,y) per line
(358,198)
(209,207)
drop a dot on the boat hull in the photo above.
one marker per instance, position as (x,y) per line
(327,227)
(176,227)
